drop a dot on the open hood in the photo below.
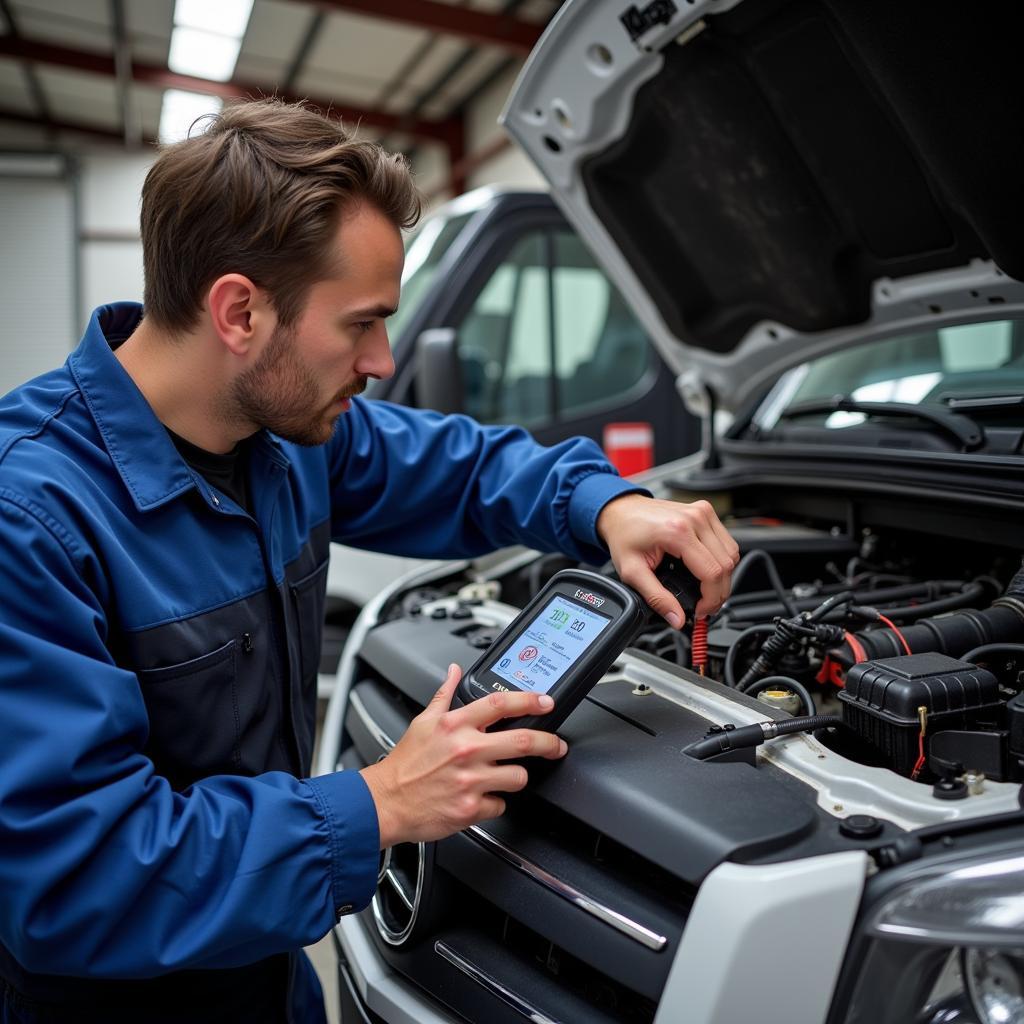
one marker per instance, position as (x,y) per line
(766,180)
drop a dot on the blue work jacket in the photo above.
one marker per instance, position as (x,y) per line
(158,663)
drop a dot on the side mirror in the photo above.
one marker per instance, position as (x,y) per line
(438,371)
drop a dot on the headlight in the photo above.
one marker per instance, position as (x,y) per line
(982,901)
(995,980)
(946,946)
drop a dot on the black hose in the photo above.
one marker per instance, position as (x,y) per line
(972,593)
(1015,588)
(977,652)
(830,604)
(752,558)
(754,735)
(949,634)
(952,594)
(756,687)
(928,589)
(730,655)
(806,724)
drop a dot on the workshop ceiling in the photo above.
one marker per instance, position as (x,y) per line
(81,70)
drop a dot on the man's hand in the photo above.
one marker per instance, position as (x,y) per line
(441,776)
(639,531)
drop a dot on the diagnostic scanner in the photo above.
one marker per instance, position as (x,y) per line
(566,638)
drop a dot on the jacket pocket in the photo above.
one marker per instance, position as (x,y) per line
(308,597)
(193,715)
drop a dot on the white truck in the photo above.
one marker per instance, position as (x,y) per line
(814,208)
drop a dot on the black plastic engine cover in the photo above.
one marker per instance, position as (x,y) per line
(625,775)
(881,701)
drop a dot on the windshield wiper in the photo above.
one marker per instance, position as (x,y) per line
(1006,404)
(964,429)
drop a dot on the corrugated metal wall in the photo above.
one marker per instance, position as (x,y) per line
(38,319)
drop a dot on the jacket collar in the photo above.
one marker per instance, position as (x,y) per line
(139,445)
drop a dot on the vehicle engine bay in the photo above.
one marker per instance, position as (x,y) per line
(591,875)
(912,644)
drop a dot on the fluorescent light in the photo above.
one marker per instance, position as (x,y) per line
(203,54)
(180,110)
(224,17)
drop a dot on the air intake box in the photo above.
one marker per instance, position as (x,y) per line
(881,699)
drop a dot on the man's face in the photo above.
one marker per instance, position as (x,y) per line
(302,381)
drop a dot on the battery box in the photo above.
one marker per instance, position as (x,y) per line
(881,699)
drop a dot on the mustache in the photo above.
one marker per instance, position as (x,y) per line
(356,388)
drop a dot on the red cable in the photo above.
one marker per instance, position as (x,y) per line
(919,764)
(894,628)
(859,654)
(831,672)
(699,645)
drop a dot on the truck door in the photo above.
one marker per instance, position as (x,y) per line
(545,340)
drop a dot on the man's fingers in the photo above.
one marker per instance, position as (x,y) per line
(442,699)
(496,706)
(525,743)
(639,575)
(732,549)
(507,778)
(491,807)
(715,584)
(713,571)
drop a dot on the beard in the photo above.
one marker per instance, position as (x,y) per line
(281,394)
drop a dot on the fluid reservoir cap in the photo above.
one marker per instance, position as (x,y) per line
(860,826)
(780,697)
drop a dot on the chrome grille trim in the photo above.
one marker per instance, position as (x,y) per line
(492,985)
(381,737)
(627,926)
(633,929)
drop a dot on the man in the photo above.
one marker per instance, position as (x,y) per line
(166,503)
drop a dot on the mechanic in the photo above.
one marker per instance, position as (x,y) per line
(167,499)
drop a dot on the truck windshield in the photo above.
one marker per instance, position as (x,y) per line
(930,367)
(424,249)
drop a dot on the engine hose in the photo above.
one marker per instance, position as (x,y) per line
(754,735)
(761,557)
(972,593)
(949,634)
(731,654)
(985,650)
(928,599)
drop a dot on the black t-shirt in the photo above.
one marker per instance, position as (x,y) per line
(227,472)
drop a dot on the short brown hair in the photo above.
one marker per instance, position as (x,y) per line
(259,193)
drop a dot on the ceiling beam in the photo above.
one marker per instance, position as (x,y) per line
(161,77)
(123,71)
(475,26)
(32,83)
(309,40)
(113,134)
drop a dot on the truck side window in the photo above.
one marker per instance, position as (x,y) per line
(601,350)
(505,341)
(548,336)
